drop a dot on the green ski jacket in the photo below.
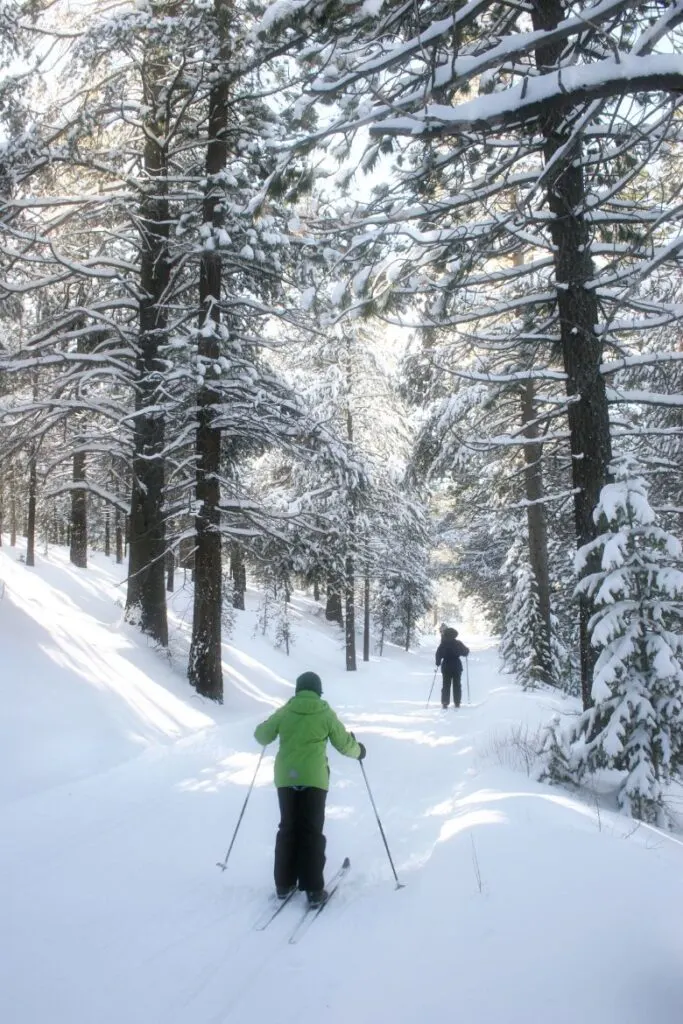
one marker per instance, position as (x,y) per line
(305,724)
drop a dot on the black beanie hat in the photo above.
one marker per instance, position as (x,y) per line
(309,681)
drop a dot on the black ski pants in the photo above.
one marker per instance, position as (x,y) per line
(454,676)
(300,843)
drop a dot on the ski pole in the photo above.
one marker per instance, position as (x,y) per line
(222,864)
(432,686)
(399,885)
(467,676)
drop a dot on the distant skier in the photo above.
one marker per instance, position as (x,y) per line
(448,655)
(302,777)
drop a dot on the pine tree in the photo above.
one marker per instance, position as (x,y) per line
(523,645)
(636,722)
(451,213)
(187,279)
(405,590)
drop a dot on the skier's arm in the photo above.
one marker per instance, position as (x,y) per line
(267,731)
(342,740)
(439,655)
(464,651)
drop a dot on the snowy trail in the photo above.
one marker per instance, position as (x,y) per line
(118,914)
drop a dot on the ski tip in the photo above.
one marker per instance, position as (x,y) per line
(346,864)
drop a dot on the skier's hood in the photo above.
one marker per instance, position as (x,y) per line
(307,703)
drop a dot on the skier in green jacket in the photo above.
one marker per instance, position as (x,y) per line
(302,776)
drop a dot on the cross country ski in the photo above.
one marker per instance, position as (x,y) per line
(311,913)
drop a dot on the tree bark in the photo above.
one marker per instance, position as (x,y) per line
(409,621)
(78,549)
(366,619)
(238,573)
(589,428)
(536,521)
(31,518)
(170,572)
(146,598)
(205,669)
(350,617)
(13,508)
(118,531)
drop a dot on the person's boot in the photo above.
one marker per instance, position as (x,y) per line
(283,891)
(316,897)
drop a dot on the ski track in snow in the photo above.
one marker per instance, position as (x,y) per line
(120,790)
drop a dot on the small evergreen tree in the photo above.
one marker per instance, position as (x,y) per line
(563,670)
(524,644)
(405,590)
(635,724)
(284,635)
(381,616)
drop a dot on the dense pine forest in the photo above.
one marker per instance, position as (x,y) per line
(379,299)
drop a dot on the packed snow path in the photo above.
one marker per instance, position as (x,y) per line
(120,791)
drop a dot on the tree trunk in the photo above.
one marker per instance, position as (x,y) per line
(205,669)
(366,619)
(409,621)
(382,627)
(350,617)
(12,508)
(31,519)
(238,573)
(316,588)
(78,550)
(589,428)
(118,531)
(349,567)
(170,572)
(107,531)
(146,598)
(333,604)
(536,521)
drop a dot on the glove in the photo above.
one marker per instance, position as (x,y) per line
(361,756)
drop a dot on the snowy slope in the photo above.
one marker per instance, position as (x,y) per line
(120,789)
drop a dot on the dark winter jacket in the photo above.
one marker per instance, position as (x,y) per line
(449,652)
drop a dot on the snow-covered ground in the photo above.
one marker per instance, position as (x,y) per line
(120,790)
